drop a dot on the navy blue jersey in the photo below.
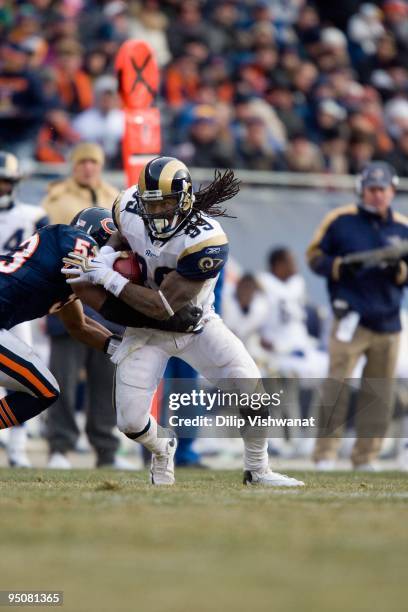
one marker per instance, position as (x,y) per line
(31,283)
(375,293)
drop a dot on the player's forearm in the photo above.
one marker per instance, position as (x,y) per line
(175,292)
(91,333)
(95,325)
(145,300)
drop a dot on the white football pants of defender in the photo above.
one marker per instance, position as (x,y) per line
(216,353)
(17,438)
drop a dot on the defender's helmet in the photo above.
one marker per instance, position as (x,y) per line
(96,222)
(166,180)
(9,173)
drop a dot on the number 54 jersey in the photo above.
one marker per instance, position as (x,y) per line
(198,251)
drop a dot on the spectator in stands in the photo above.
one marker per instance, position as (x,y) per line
(104,122)
(49,78)
(365,28)
(304,80)
(181,81)
(302,155)
(21,101)
(385,54)
(116,16)
(396,20)
(188,24)
(96,63)
(222,34)
(217,75)
(398,157)
(361,151)
(150,25)
(396,116)
(273,125)
(280,96)
(329,116)
(74,85)
(289,56)
(208,151)
(333,50)
(256,149)
(307,25)
(56,137)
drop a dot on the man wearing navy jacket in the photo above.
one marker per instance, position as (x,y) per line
(366,302)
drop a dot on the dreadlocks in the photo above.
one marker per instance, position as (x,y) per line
(222,188)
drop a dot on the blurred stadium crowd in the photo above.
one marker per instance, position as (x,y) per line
(261,84)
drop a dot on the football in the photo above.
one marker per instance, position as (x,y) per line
(128,266)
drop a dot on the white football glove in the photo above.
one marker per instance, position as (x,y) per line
(97,271)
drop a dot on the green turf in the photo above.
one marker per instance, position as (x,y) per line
(113,543)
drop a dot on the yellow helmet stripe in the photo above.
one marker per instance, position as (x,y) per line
(167,175)
(142,179)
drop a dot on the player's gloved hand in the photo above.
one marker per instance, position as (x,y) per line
(396,271)
(343,269)
(184,320)
(97,271)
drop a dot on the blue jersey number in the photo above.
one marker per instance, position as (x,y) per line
(159,273)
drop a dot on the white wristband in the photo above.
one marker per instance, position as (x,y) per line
(167,306)
(106,250)
(115,283)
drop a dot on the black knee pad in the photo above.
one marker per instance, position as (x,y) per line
(133,435)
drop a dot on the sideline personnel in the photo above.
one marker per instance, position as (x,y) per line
(366,304)
(66,198)
(83,188)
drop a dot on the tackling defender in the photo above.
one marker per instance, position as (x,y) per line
(31,286)
(181,249)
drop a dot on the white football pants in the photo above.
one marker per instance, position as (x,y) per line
(216,353)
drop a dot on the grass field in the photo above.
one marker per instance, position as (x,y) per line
(113,543)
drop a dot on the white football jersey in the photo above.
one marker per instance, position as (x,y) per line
(285,326)
(197,252)
(245,324)
(18,223)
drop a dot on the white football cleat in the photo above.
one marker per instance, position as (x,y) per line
(270,479)
(58,461)
(19,460)
(162,468)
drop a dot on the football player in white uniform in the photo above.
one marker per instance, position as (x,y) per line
(181,249)
(18,222)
